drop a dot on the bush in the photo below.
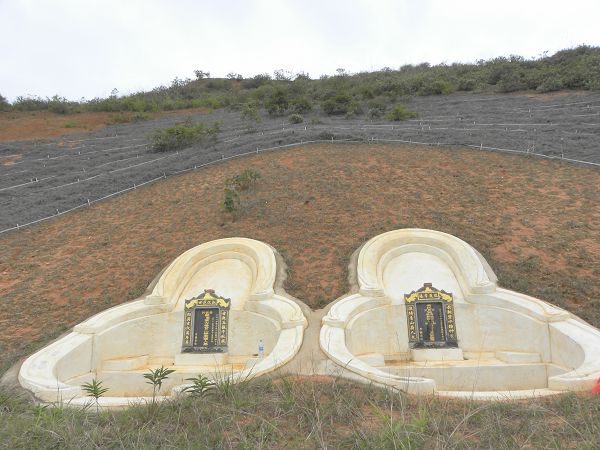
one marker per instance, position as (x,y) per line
(30,104)
(301,105)
(436,87)
(401,113)
(184,135)
(119,117)
(249,112)
(467,84)
(211,102)
(243,181)
(235,76)
(256,81)
(377,107)
(340,103)
(277,103)
(233,186)
(231,200)
(550,84)
(374,113)
(4,105)
(200,74)
(296,118)
(511,82)
(140,117)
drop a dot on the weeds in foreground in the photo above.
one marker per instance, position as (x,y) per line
(94,389)
(155,378)
(298,412)
(201,386)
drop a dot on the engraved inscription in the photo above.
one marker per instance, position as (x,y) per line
(430,318)
(206,323)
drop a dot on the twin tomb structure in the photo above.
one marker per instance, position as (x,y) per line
(425,317)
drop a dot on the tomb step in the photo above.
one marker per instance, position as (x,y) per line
(489,376)
(499,395)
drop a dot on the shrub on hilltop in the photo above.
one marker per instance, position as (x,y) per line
(4,105)
(346,93)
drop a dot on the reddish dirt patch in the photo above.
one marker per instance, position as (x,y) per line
(9,160)
(537,222)
(21,125)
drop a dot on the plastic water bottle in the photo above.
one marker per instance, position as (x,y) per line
(261,349)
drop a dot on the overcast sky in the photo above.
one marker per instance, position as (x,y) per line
(85,48)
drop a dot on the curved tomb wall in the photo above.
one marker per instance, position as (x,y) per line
(409,271)
(230,278)
(566,350)
(205,315)
(429,316)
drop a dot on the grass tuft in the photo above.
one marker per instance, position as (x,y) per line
(299,412)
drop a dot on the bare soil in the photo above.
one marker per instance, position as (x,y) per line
(19,125)
(536,221)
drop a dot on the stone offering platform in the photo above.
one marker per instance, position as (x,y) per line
(425,315)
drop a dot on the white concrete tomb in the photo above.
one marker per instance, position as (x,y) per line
(429,317)
(206,314)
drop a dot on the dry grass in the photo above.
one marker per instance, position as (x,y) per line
(537,222)
(294,412)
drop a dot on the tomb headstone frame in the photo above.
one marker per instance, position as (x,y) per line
(206,323)
(430,318)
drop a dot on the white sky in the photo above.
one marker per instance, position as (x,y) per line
(85,48)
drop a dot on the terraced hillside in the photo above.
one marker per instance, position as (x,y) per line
(43,178)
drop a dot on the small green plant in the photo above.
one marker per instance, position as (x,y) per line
(233,186)
(243,181)
(296,118)
(201,386)
(155,378)
(94,389)
(184,135)
(401,113)
(231,200)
